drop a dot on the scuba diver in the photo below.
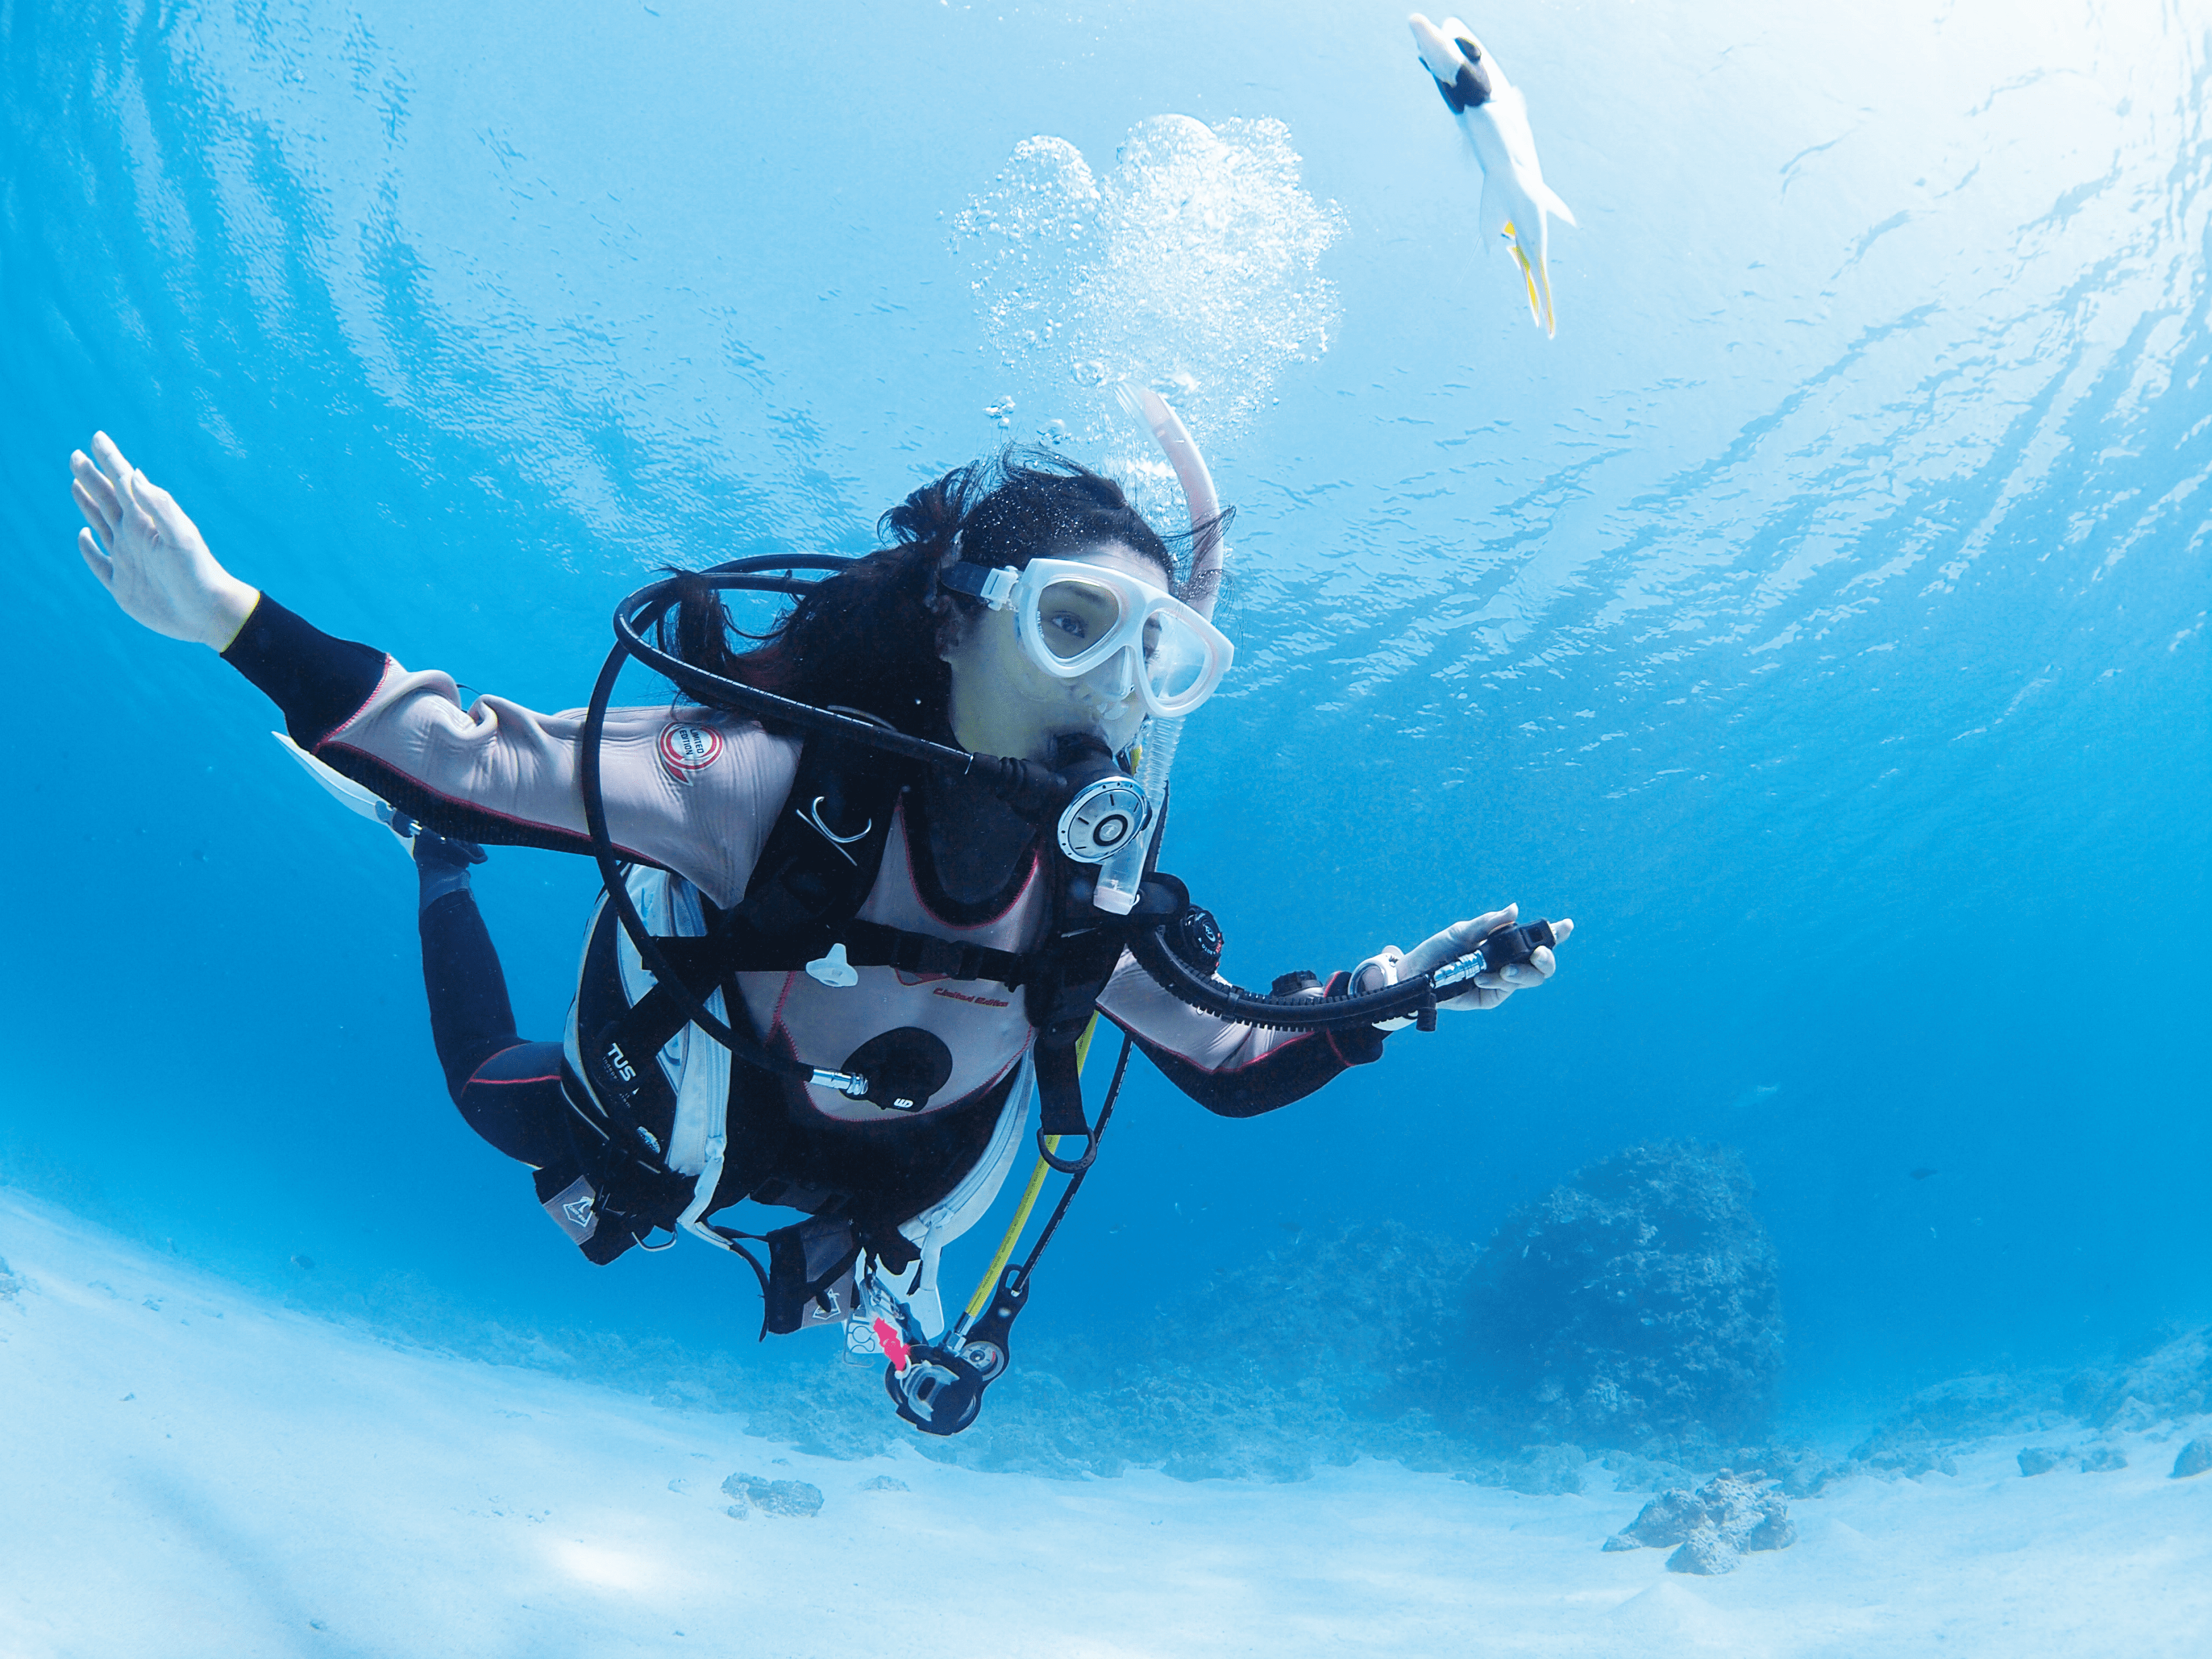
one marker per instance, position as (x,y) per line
(868,883)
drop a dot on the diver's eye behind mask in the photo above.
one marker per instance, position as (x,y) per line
(1074,619)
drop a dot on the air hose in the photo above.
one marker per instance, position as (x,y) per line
(1414,998)
(1031,789)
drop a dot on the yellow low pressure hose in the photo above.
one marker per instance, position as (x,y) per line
(1001,1257)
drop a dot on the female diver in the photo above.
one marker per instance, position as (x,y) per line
(907,947)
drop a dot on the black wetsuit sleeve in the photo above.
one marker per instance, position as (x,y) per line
(509,1090)
(320,682)
(1290,1071)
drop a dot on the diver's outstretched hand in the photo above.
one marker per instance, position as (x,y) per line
(148,556)
(1389,965)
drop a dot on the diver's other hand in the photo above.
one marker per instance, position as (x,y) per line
(149,556)
(1390,965)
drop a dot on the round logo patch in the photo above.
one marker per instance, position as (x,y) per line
(689,750)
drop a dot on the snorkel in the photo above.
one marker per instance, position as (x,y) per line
(1122,875)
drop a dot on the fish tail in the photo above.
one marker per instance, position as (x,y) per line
(1528,272)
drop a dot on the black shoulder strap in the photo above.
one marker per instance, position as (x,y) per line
(1063,991)
(820,862)
(814,873)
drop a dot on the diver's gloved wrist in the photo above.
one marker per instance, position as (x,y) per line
(441,862)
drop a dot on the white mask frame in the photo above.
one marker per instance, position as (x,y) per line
(1138,606)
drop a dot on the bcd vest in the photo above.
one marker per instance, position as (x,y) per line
(670,1127)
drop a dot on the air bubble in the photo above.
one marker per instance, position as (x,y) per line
(1189,267)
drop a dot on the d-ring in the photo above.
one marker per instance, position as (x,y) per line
(812,816)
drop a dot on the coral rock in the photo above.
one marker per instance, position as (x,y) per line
(1705,1551)
(2174,1380)
(1668,1519)
(1715,1526)
(794,1497)
(2194,1458)
(1636,1303)
(1775,1530)
(2038,1460)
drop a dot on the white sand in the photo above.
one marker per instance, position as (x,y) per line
(192,1471)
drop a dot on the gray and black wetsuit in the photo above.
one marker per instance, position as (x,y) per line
(694,793)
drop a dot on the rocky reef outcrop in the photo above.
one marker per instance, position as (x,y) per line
(1714,1527)
(2162,1382)
(1636,1306)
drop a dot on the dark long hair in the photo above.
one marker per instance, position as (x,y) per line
(868,637)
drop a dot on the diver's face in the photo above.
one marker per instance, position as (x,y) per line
(1004,704)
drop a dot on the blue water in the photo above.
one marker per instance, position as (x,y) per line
(1819,619)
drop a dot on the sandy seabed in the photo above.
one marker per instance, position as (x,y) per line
(190,1469)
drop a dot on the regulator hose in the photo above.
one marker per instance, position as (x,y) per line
(1415,999)
(1034,791)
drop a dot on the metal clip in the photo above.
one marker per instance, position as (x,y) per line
(1475,962)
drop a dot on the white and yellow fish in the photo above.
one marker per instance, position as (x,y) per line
(1515,200)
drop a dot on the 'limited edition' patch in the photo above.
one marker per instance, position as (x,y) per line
(689,750)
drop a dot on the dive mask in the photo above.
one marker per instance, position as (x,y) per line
(1075,619)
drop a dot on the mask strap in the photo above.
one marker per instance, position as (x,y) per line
(995,588)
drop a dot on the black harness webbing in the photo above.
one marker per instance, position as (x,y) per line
(811,874)
(739,948)
(812,877)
